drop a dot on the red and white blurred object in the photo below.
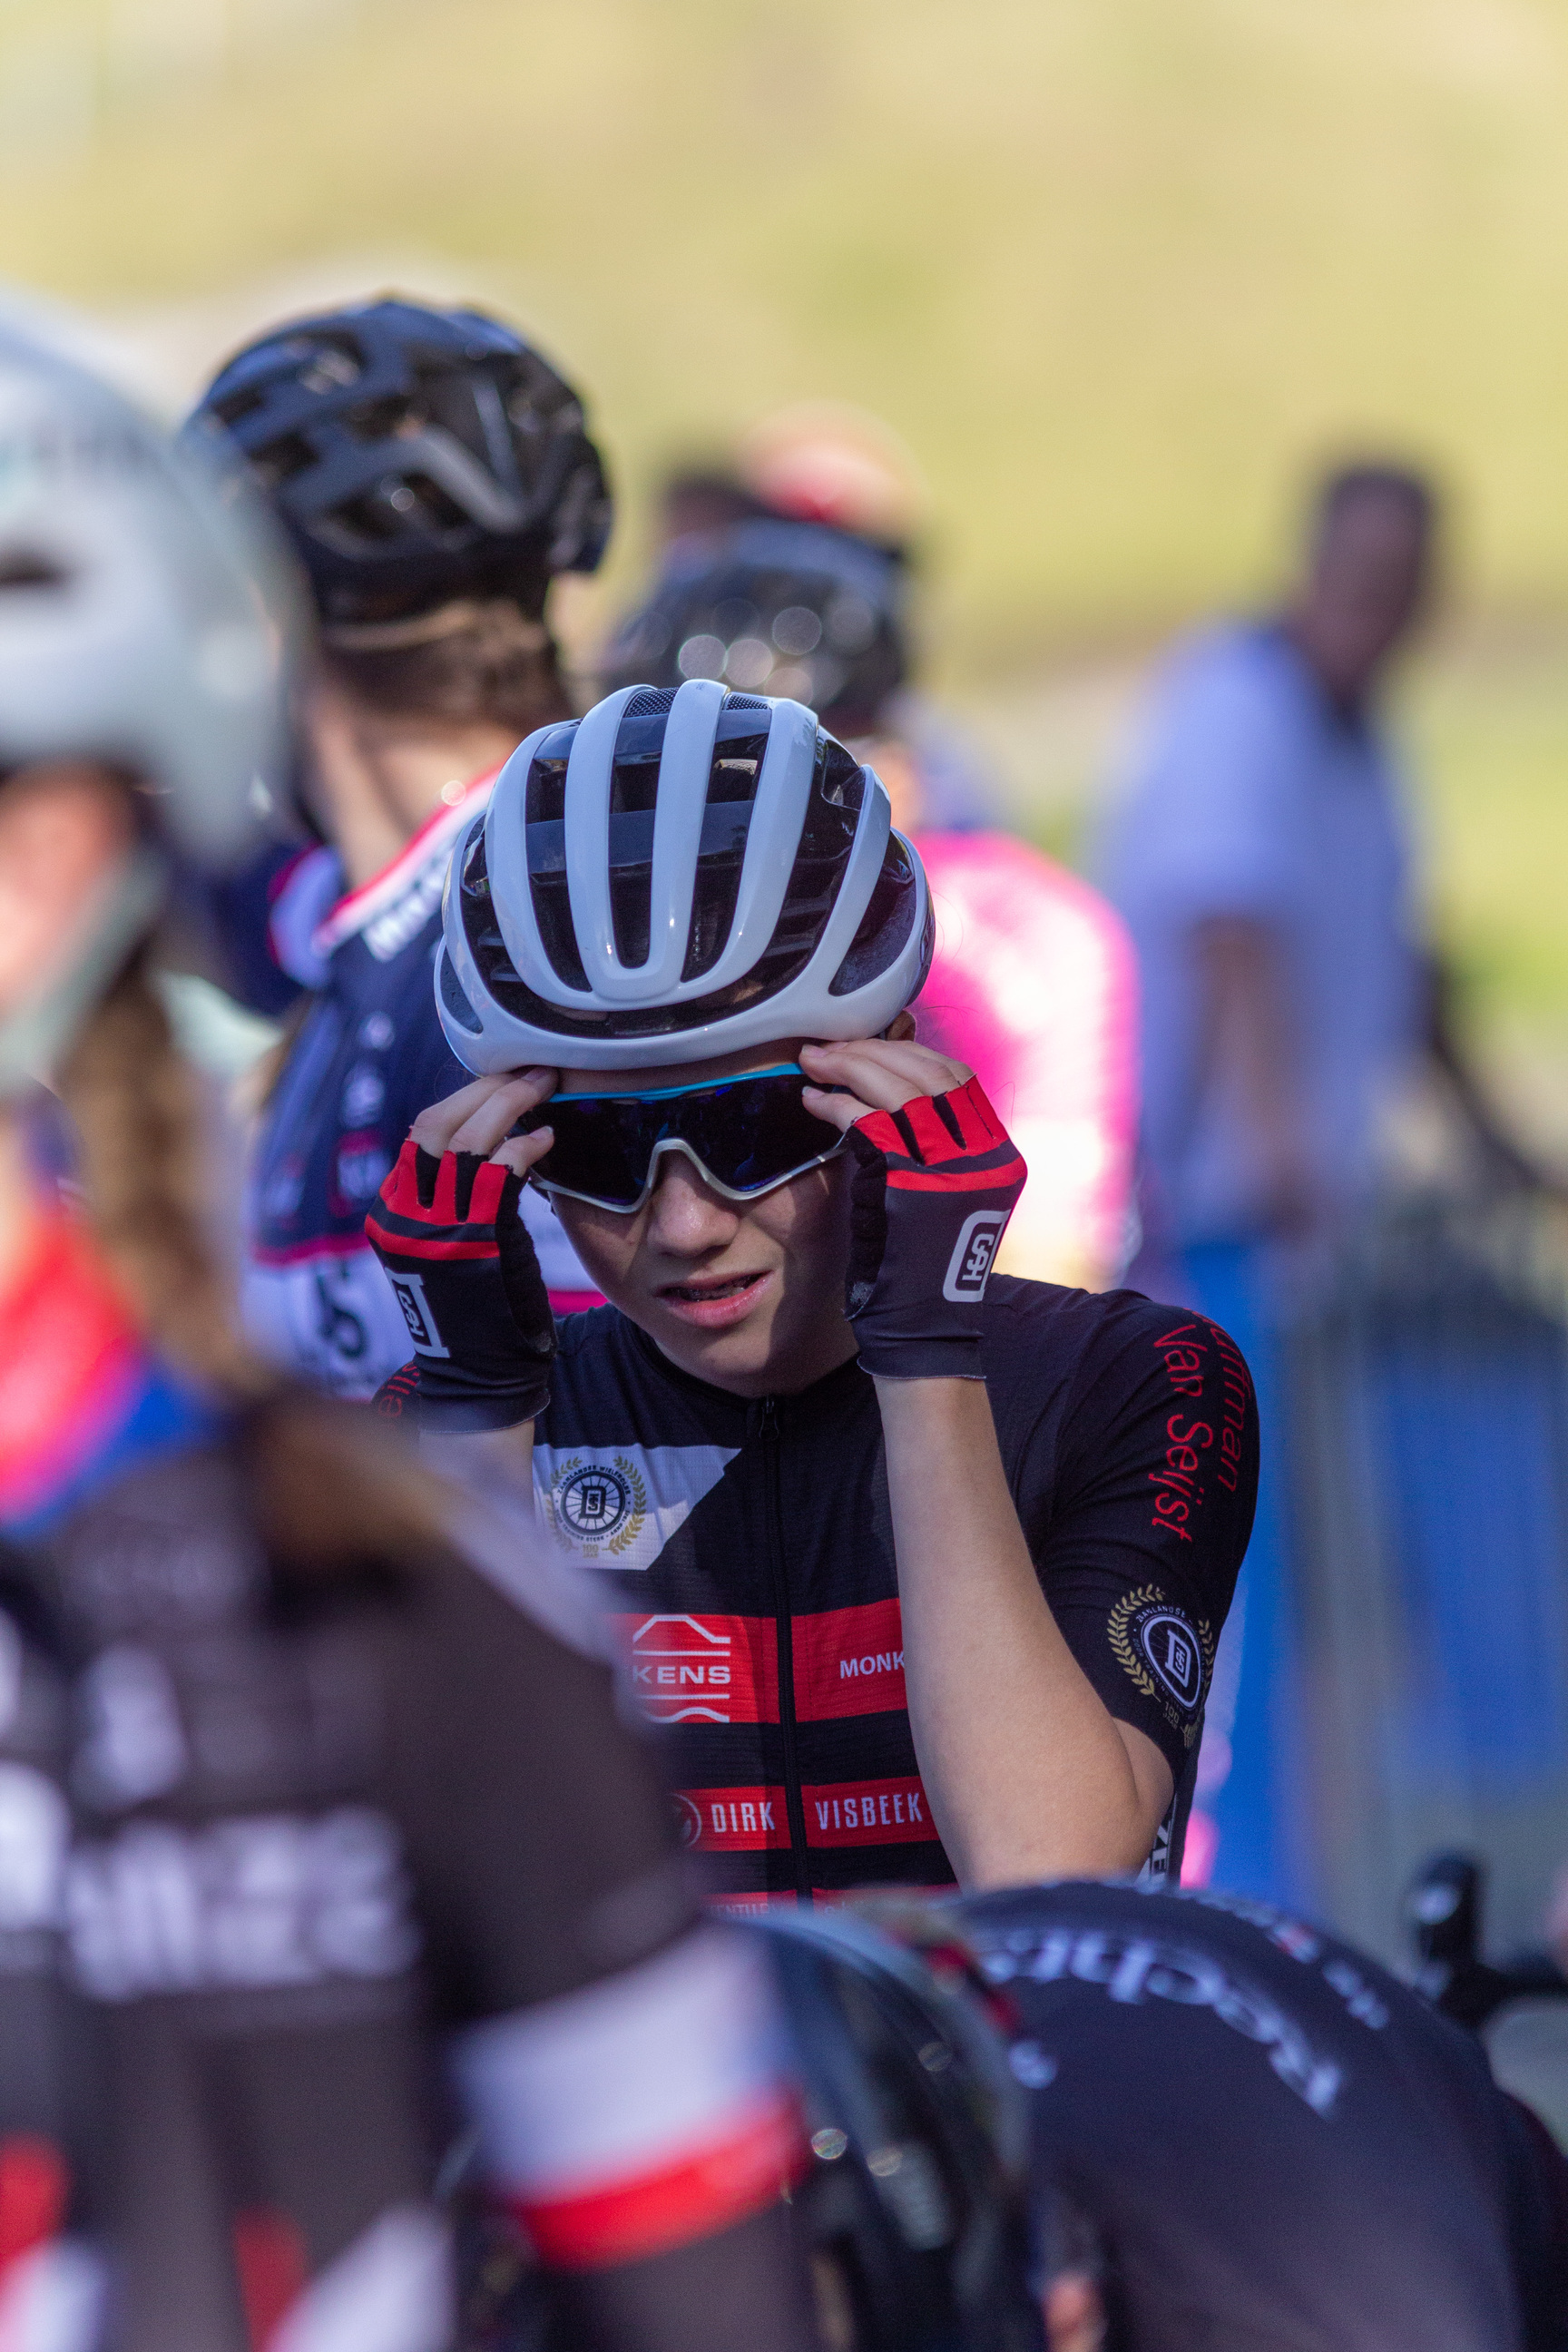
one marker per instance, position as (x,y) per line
(822,461)
(1034,986)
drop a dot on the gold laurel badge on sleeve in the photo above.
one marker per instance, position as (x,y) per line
(1162,1654)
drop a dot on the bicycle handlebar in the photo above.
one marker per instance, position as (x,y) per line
(1442,1912)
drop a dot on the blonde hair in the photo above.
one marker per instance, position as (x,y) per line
(330,1486)
(144,1167)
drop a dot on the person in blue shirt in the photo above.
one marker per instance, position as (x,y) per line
(1261,856)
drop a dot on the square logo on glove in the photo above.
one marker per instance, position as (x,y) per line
(422,1330)
(979,1238)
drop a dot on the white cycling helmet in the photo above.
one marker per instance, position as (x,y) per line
(143,610)
(682,874)
(144,622)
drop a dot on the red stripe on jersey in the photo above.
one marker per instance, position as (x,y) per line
(701,1669)
(269,2256)
(710,1669)
(849,1662)
(733,1821)
(32,2186)
(837,1812)
(706,2192)
(869,1812)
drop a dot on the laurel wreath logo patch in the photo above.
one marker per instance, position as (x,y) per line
(1170,1662)
(598,1507)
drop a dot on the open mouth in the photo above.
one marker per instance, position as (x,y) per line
(731,1287)
(714,1303)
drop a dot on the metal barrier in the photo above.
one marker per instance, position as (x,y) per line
(1427,1397)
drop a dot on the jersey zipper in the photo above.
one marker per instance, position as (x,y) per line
(770,1432)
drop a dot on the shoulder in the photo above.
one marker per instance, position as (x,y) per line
(606,1386)
(1037,1330)
(1111,1374)
(594,1337)
(1040,1343)
(1248,658)
(1235,687)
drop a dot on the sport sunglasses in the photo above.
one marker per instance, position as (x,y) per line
(745,1136)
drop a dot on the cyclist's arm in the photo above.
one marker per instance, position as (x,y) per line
(618,2056)
(1028,1774)
(1030,1770)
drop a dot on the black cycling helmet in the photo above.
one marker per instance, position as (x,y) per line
(415,456)
(791,609)
(915,2207)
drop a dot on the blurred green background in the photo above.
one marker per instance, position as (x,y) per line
(1117,270)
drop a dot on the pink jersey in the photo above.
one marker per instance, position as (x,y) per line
(1034,987)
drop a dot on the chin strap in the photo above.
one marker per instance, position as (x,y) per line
(33,1036)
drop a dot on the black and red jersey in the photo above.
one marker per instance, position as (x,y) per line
(293,1851)
(747,1549)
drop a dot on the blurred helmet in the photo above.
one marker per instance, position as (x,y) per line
(679,874)
(822,461)
(144,622)
(415,456)
(783,608)
(915,2209)
(143,615)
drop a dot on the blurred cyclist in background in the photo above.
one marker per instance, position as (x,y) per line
(1031,983)
(434,473)
(824,462)
(1226,2131)
(318,1842)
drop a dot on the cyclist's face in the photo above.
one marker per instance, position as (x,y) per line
(746,1294)
(65,831)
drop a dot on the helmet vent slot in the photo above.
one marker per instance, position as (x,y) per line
(885,927)
(456,1002)
(734,774)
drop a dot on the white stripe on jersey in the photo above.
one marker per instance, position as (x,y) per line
(629,2077)
(390,2291)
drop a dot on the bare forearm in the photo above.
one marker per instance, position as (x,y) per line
(1026,1772)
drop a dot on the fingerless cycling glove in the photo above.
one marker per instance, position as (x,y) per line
(463,1266)
(933,1187)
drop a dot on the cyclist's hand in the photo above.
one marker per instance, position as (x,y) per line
(478,1119)
(936,1179)
(463,1264)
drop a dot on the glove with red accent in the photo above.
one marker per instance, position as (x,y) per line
(934,1186)
(463,1266)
